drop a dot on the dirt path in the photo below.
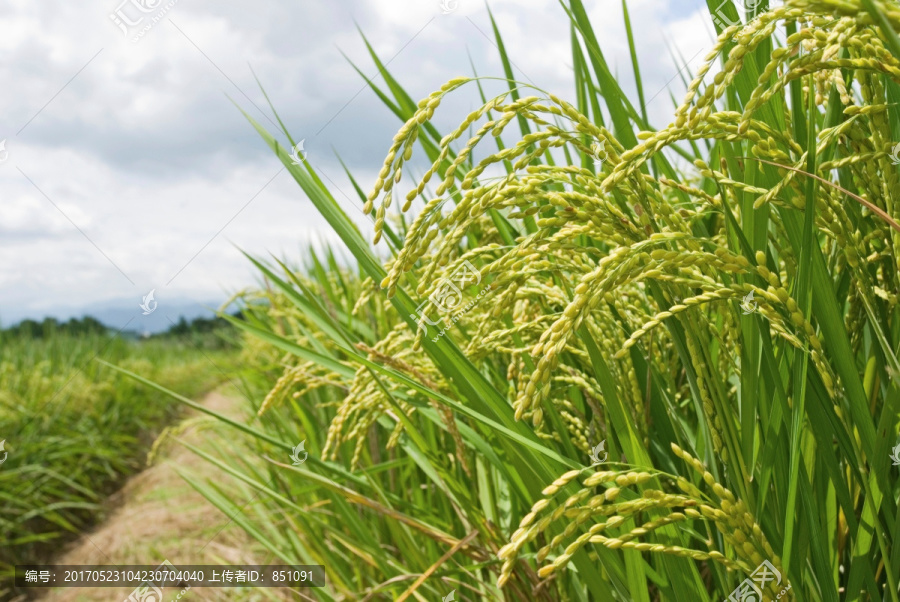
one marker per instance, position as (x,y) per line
(157,516)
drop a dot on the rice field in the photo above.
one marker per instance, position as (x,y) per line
(575,355)
(682,373)
(74,429)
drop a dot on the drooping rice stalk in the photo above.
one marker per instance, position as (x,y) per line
(728,330)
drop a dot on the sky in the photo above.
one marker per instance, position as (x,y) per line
(126,165)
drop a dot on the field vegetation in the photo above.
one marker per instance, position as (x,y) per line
(576,356)
(714,301)
(73,429)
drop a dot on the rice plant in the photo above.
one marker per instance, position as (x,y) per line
(678,358)
(72,430)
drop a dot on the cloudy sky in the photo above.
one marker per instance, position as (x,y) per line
(128,168)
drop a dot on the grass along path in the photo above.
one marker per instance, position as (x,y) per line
(157,516)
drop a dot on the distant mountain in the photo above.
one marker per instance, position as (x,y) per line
(123,314)
(165,315)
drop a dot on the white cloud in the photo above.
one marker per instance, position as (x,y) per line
(146,154)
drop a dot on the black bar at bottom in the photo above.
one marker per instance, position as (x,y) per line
(167,575)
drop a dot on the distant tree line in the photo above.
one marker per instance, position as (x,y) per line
(197,325)
(202,330)
(208,333)
(49,327)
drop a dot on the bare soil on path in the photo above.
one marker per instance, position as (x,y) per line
(157,516)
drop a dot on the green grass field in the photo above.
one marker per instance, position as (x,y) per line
(74,429)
